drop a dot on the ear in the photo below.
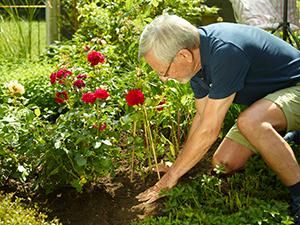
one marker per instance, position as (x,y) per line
(185,54)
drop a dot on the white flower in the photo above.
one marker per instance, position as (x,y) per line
(15,87)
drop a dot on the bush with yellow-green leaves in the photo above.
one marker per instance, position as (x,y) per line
(14,212)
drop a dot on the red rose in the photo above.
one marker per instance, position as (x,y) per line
(53,78)
(95,58)
(63,73)
(160,105)
(135,97)
(59,76)
(88,98)
(81,76)
(79,83)
(101,93)
(61,97)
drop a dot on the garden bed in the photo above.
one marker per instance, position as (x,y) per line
(111,203)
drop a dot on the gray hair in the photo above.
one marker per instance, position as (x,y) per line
(166,35)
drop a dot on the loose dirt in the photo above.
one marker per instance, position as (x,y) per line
(113,202)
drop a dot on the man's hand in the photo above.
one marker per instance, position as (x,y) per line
(152,194)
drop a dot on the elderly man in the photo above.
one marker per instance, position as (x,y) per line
(229,63)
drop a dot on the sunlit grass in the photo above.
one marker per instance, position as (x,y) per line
(21,39)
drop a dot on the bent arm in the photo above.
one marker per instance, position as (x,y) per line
(204,132)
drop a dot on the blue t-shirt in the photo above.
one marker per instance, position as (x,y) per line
(243,59)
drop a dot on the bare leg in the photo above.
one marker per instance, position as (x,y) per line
(259,124)
(232,155)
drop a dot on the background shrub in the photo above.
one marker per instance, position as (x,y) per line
(14,212)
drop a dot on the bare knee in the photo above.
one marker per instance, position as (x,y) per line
(231,155)
(246,123)
(227,166)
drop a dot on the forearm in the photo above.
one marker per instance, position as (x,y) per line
(202,135)
(193,151)
(195,124)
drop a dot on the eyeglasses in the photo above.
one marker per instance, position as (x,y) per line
(165,75)
(167,70)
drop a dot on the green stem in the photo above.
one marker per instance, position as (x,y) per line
(147,144)
(151,140)
(132,153)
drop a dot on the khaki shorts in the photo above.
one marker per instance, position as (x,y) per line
(288,100)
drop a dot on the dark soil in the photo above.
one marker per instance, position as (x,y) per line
(109,204)
(112,203)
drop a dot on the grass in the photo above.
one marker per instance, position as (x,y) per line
(25,71)
(254,196)
(22,39)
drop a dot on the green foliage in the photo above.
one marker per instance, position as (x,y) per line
(68,18)
(71,151)
(77,151)
(238,199)
(14,212)
(22,131)
(34,76)
(113,28)
(68,149)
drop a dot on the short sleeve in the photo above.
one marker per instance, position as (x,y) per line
(199,90)
(229,67)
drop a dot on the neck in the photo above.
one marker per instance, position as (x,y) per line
(197,60)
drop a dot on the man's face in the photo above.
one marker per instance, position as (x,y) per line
(181,68)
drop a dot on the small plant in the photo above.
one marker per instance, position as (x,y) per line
(219,169)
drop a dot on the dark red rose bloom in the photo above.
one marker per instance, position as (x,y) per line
(81,76)
(79,83)
(88,98)
(53,78)
(63,73)
(95,58)
(135,97)
(59,76)
(160,105)
(101,93)
(61,97)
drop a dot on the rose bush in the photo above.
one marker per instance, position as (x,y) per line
(83,143)
(85,100)
(23,133)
